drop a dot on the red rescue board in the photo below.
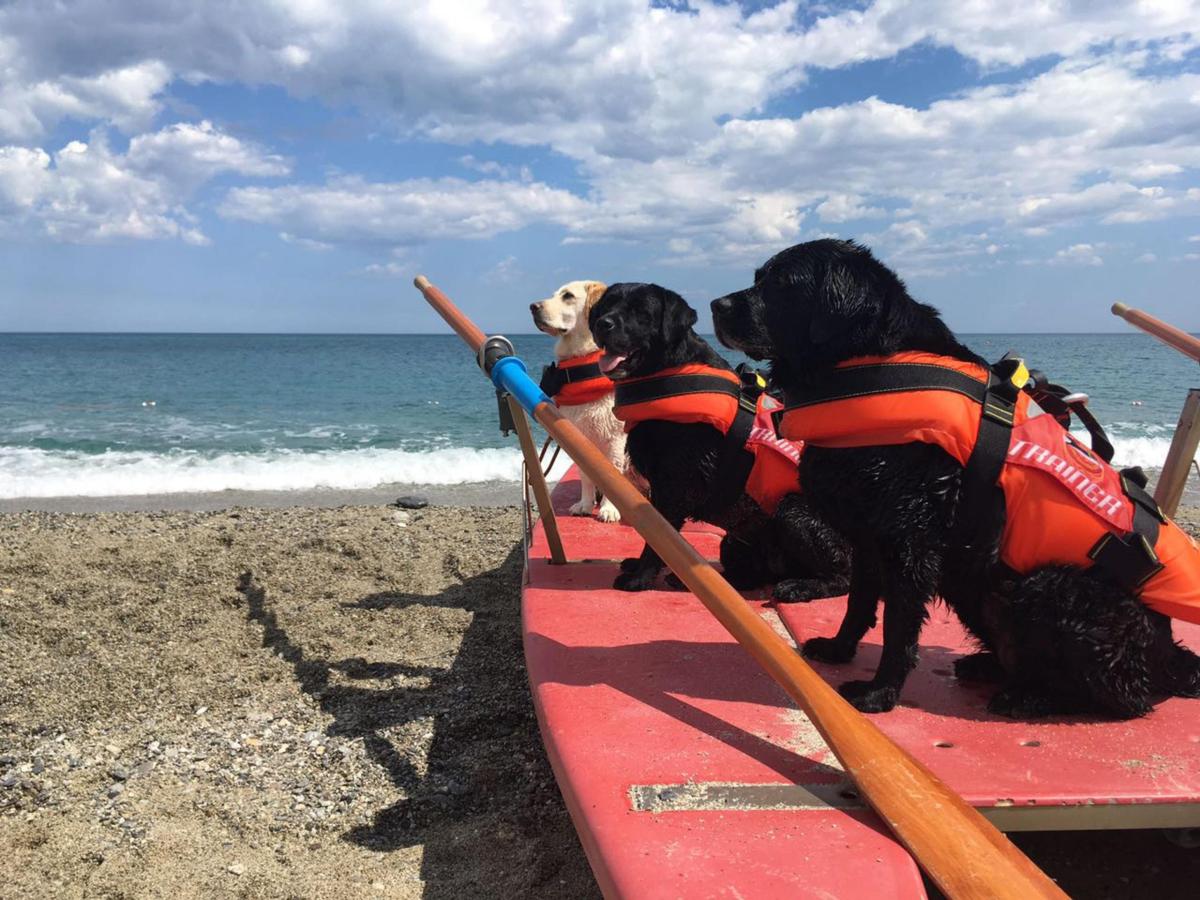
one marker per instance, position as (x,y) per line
(689,773)
(1070,772)
(671,746)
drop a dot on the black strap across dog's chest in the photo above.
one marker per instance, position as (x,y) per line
(885,378)
(733,466)
(649,389)
(555,378)
(733,462)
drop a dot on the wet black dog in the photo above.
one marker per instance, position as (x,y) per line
(644,329)
(1060,639)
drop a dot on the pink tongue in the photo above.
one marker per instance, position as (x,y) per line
(608,362)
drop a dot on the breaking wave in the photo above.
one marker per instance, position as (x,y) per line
(32,472)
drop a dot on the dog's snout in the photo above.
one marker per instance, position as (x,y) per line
(722,306)
(534,307)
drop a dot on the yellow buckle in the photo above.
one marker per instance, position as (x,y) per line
(1020,376)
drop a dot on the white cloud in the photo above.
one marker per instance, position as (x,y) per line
(845,207)
(1078,254)
(998,33)
(388,269)
(190,154)
(658,108)
(349,209)
(86,192)
(1147,258)
(125,96)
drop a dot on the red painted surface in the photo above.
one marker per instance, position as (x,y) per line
(647,689)
(993,760)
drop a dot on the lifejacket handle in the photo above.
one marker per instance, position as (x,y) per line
(1061,403)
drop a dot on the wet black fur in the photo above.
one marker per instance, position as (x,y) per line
(792,549)
(1059,640)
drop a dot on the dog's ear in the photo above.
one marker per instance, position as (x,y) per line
(595,290)
(843,298)
(677,317)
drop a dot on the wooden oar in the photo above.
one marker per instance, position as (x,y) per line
(964,854)
(1181,455)
(1177,338)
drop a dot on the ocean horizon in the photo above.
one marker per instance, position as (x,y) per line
(118,414)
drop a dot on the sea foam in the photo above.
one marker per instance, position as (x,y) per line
(31,472)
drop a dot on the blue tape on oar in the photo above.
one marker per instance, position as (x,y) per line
(511,375)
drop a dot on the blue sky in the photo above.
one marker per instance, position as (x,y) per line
(234,166)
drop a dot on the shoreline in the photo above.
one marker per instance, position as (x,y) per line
(484,493)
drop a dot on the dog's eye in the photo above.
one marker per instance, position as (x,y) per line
(567,295)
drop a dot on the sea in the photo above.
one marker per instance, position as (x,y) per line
(99,415)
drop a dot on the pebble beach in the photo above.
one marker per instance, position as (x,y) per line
(309,702)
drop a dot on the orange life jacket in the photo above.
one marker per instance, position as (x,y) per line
(577,380)
(700,394)
(1065,504)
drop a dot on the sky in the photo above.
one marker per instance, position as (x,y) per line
(291,165)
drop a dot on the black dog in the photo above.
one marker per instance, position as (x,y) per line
(1060,639)
(643,330)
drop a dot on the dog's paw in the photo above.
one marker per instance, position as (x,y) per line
(608,512)
(828,650)
(982,666)
(674,582)
(870,697)
(630,564)
(635,581)
(582,508)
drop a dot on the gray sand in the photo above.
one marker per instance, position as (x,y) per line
(310,703)
(490,494)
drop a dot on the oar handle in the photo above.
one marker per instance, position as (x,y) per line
(463,327)
(965,855)
(1177,338)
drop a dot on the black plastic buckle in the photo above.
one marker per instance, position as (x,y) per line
(1133,483)
(1129,560)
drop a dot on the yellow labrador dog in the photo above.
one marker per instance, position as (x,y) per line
(583,394)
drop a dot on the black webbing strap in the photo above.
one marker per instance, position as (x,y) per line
(576,374)
(979,491)
(1050,398)
(886,378)
(733,462)
(552,381)
(644,391)
(555,378)
(1129,559)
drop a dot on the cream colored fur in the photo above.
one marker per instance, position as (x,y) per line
(564,314)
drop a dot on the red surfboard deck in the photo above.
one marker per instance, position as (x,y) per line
(670,744)
(1073,772)
(689,773)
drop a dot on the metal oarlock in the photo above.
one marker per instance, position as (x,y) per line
(494,349)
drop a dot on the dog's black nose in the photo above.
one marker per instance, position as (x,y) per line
(533,307)
(721,306)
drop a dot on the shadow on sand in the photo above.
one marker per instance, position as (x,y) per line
(486,780)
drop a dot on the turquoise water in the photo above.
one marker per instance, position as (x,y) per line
(344,411)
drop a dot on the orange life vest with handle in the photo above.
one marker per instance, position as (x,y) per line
(700,394)
(1064,503)
(576,380)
